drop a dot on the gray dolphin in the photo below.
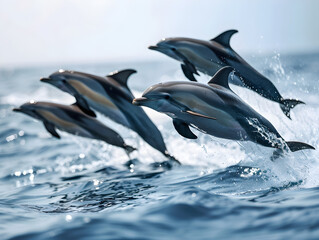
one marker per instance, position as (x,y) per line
(209,56)
(214,109)
(72,120)
(111,96)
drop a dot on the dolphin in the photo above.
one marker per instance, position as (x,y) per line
(111,96)
(209,56)
(72,120)
(214,109)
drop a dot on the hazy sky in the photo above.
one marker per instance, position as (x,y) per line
(73,31)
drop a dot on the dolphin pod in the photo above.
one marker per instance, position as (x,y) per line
(72,120)
(214,109)
(209,56)
(111,96)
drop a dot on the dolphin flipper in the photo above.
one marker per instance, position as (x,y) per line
(80,101)
(51,129)
(183,129)
(190,67)
(83,105)
(224,38)
(296,146)
(188,73)
(287,104)
(187,67)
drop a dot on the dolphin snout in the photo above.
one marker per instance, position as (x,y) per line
(20,109)
(153,47)
(139,101)
(45,79)
(17,110)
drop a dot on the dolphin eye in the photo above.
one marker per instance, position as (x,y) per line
(63,80)
(167,97)
(173,49)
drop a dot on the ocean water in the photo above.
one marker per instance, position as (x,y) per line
(76,188)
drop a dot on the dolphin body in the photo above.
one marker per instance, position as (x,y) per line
(111,96)
(209,56)
(214,109)
(72,120)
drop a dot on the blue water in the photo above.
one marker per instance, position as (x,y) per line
(76,188)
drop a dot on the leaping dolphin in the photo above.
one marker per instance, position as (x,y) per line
(72,120)
(111,96)
(214,109)
(209,56)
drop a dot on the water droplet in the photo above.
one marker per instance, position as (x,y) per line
(68,218)
(96,182)
(31,177)
(11,137)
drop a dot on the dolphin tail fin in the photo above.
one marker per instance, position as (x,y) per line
(287,104)
(129,148)
(172,158)
(296,146)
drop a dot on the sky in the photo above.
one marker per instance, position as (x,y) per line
(37,32)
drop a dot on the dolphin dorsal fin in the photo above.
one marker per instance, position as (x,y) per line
(122,76)
(221,77)
(224,38)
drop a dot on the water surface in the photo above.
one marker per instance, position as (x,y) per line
(76,188)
